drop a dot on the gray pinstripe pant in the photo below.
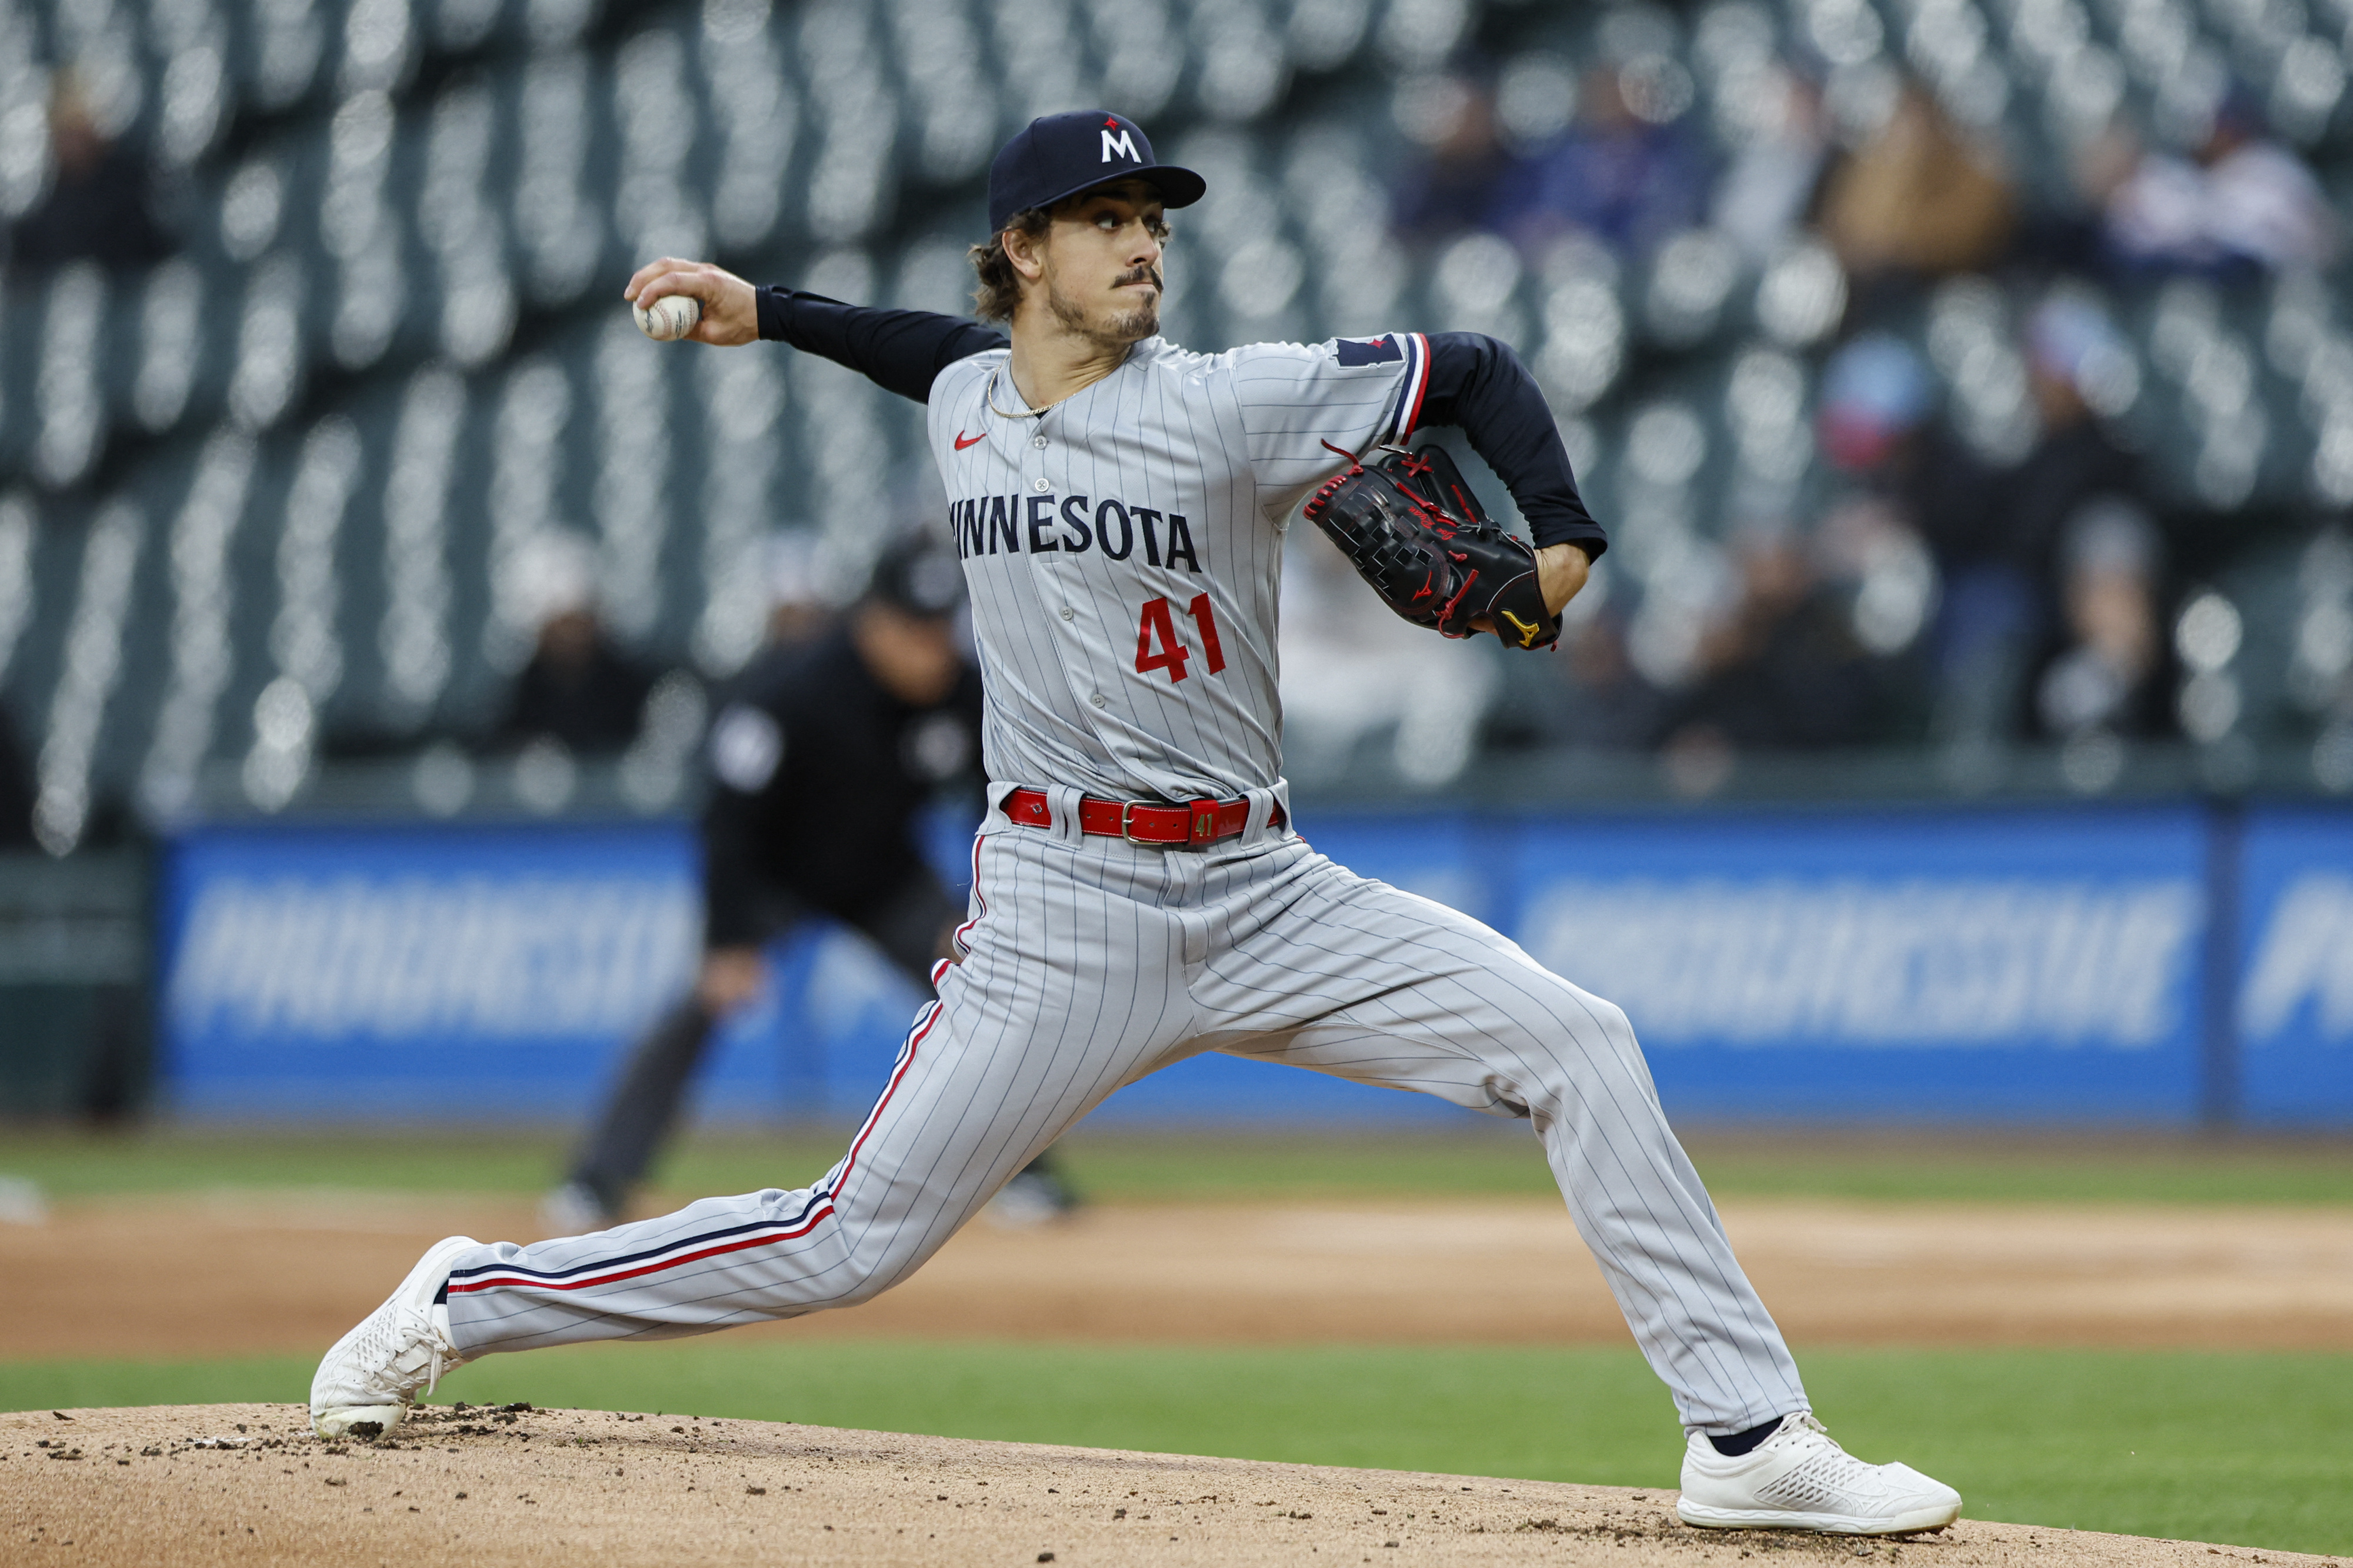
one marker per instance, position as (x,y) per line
(1092,963)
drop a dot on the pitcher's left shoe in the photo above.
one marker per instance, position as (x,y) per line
(1798,1479)
(373,1371)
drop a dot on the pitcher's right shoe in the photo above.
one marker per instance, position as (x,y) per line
(373,1371)
(1799,1479)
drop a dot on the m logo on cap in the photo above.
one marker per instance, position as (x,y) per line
(1067,155)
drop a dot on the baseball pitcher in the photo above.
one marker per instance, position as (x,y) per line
(1139,894)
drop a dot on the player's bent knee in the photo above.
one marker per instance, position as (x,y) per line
(864,1289)
(1572,1018)
(870,1267)
(1585,1039)
(1611,1020)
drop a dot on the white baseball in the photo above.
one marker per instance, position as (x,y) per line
(672,318)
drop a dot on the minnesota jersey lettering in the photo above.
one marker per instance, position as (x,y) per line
(990,525)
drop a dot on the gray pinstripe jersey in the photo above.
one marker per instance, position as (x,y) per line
(1125,551)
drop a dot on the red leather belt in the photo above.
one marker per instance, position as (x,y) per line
(1138,822)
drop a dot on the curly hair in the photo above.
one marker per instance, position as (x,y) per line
(999,292)
(1000,285)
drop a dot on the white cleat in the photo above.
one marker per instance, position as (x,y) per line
(373,1374)
(1799,1479)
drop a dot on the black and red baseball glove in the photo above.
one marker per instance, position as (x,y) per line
(1410,526)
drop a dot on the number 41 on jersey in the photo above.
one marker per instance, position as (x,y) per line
(1157,647)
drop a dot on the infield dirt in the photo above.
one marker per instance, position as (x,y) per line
(246,1485)
(288,1272)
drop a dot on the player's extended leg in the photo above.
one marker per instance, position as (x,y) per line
(1350,976)
(912,926)
(1072,985)
(1322,969)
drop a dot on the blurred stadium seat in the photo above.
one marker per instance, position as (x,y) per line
(261,504)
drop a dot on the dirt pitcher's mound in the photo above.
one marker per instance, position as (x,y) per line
(245,1484)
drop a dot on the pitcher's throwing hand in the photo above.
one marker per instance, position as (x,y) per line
(729,315)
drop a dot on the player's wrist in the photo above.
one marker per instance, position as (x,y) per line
(770,307)
(1561,572)
(732,311)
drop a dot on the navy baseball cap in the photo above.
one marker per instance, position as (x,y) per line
(1059,155)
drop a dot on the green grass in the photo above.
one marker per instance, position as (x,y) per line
(1157,1166)
(2241,1448)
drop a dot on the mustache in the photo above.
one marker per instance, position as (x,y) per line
(1141,275)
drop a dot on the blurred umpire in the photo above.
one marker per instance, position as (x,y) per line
(826,749)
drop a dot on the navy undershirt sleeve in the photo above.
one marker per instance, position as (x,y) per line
(899,351)
(1480,385)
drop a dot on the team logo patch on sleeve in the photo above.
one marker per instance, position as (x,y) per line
(1370,350)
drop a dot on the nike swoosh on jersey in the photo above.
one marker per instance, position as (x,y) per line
(962,440)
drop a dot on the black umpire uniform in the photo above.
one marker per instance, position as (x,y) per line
(818,770)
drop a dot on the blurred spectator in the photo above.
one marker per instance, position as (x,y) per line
(1868,547)
(97,208)
(1764,195)
(1586,696)
(1906,479)
(799,610)
(1918,199)
(1783,669)
(1996,530)
(1629,173)
(1463,183)
(2245,204)
(2074,460)
(579,689)
(1876,396)
(2108,672)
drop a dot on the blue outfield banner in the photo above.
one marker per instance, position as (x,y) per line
(1902,967)
(393,973)
(2295,999)
(2002,965)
